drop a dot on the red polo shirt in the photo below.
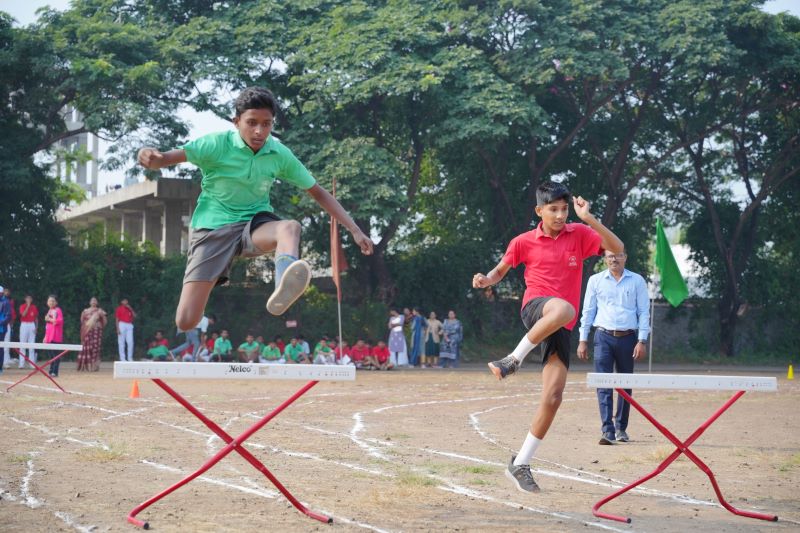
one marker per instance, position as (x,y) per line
(381,353)
(124,314)
(358,354)
(554,266)
(30,314)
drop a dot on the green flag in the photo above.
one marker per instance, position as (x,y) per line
(672,285)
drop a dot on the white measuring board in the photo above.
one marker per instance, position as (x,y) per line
(176,370)
(41,346)
(680,381)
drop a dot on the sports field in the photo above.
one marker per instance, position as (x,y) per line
(392,451)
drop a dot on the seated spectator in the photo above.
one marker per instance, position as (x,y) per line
(223,349)
(380,353)
(271,354)
(279,343)
(294,353)
(359,352)
(187,355)
(159,351)
(317,346)
(261,343)
(343,354)
(212,341)
(323,355)
(248,350)
(159,338)
(202,353)
(301,340)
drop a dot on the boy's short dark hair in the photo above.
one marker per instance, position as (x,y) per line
(255,98)
(550,191)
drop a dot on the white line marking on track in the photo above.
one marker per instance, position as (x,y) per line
(25,486)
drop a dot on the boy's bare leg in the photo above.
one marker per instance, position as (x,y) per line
(556,314)
(192,303)
(292,275)
(554,379)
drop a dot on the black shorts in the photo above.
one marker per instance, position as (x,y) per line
(559,342)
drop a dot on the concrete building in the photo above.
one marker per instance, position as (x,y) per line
(156,211)
(69,164)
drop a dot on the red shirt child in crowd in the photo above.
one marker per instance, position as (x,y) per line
(159,338)
(359,352)
(28,324)
(379,358)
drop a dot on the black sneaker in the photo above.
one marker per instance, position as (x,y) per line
(521,476)
(504,367)
(607,439)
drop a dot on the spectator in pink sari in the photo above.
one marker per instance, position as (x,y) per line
(54,329)
(93,320)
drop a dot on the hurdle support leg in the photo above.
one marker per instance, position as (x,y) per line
(37,368)
(680,448)
(231,445)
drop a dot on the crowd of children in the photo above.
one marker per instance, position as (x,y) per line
(327,351)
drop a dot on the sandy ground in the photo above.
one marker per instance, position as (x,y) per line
(393,451)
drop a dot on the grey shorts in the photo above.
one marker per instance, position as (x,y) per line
(559,342)
(212,251)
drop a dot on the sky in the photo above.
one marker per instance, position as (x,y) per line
(24,11)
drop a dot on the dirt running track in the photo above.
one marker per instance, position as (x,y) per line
(396,451)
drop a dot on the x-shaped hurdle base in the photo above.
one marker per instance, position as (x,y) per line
(232,444)
(680,448)
(37,368)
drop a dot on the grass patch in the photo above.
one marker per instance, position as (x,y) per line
(479,482)
(481,470)
(661,453)
(793,462)
(411,479)
(101,455)
(18,459)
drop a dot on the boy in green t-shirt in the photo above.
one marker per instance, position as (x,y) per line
(223,348)
(295,353)
(233,216)
(159,352)
(249,350)
(271,353)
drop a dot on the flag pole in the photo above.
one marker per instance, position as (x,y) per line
(652,321)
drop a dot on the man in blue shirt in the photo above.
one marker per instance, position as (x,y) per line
(618,306)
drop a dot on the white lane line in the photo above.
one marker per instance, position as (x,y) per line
(70,521)
(24,489)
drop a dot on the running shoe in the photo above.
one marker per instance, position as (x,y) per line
(504,367)
(521,476)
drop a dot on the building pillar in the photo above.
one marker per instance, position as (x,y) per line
(172,227)
(113,226)
(151,226)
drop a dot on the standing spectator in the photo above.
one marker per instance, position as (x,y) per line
(193,335)
(5,319)
(125,316)
(223,349)
(10,328)
(417,329)
(618,306)
(28,324)
(453,335)
(432,339)
(93,320)
(398,351)
(359,352)
(248,350)
(54,329)
(271,354)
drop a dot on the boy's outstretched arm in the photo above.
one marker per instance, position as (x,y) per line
(152,159)
(610,242)
(335,209)
(480,281)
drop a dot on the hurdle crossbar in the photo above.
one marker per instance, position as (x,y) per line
(621,382)
(157,372)
(678,381)
(19,346)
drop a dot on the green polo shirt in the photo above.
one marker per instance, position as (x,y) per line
(222,346)
(236,182)
(293,352)
(271,353)
(158,352)
(250,348)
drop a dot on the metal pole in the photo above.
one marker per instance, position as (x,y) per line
(652,321)
(339,306)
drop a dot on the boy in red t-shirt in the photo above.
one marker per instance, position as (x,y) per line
(553,255)
(359,352)
(379,357)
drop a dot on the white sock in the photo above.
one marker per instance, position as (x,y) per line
(528,449)
(523,349)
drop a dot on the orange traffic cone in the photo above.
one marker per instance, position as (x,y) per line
(790,373)
(135,389)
